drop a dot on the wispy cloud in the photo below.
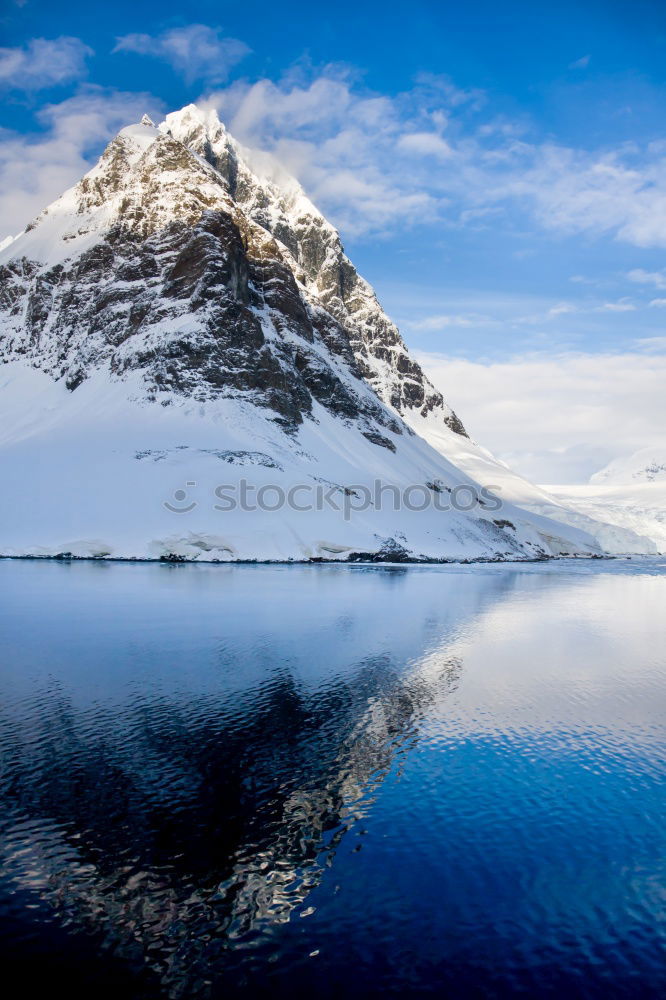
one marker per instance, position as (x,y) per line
(622,305)
(621,193)
(562,308)
(533,321)
(196,51)
(433,155)
(367,159)
(658,303)
(581,63)
(43,62)
(642,277)
(364,158)
(442,321)
(582,279)
(656,344)
(426,144)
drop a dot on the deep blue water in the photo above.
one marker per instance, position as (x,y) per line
(333,781)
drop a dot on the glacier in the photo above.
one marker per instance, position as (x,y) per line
(629,493)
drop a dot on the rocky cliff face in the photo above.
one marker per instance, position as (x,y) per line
(172,257)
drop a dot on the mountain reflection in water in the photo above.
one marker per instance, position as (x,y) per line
(186,749)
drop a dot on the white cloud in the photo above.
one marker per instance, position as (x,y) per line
(562,308)
(367,159)
(621,192)
(650,344)
(659,303)
(527,321)
(196,51)
(656,278)
(441,322)
(426,144)
(622,305)
(354,153)
(582,279)
(35,169)
(43,62)
(557,419)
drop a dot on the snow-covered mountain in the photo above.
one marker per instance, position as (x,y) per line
(183,321)
(648,465)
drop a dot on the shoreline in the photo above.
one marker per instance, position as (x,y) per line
(364,559)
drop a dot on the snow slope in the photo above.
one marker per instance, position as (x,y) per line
(614,531)
(90,473)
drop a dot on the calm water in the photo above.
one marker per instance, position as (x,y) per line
(333,781)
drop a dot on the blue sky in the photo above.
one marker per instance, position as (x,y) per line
(498,173)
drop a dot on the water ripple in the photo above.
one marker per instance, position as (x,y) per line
(419,783)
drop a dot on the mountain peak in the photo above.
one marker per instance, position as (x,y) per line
(173,230)
(192,121)
(147,120)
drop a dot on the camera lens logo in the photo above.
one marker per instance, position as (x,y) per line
(180,496)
